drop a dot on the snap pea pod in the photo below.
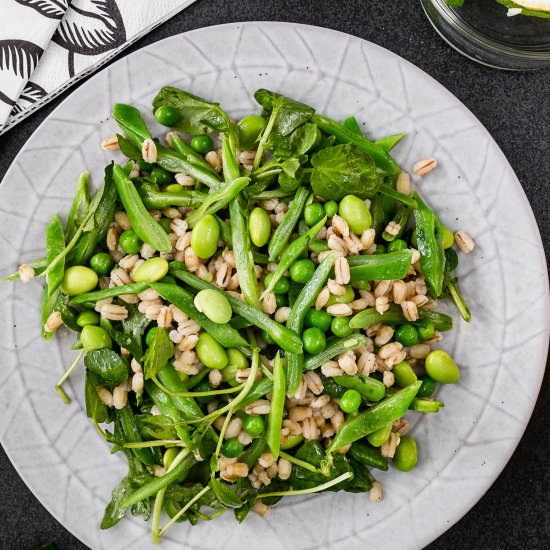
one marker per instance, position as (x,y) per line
(284,230)
(429,237)
(131,433)
(225,230)
(401,218)
(217,199)
(92,297)
(426,405)
(187,405)
(164,402)
(295,362)
(55,243)
(153,198)
(224,334)
(318,246)
(259,389)
(269,194)
(368,455)
(340,346)
(144,225)
(176,475)
(390,409)
(80,205)
(378,267)
(389,142)
(370,388)
(294,249)
(343,135)
(275,419)
(285,338)
(190,155)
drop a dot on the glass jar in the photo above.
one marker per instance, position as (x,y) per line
(483,31)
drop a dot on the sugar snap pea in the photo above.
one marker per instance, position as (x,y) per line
(368,455)
(339,346)
(92,297)
(152,198)
(55,243)
(190,155)
(187,405)
(370,388)
(275,419)
(132,435)
(378,267)
(80,205)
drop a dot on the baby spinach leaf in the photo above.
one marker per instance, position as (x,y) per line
(362,479)
(95,408)
(107,365)
(128,149)
(130,121)
(304,138)
(114,512)
(225,494)
(159,353)
(156,427)
(341,170)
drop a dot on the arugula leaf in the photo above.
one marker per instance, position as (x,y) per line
(177,496)
(114,512)
(225,494)
(159,353)
(128,149)
(107,365)
(95,408)
(342,170)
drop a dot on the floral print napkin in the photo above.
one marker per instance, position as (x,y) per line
(47,45)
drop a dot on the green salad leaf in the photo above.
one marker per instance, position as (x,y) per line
(159,353)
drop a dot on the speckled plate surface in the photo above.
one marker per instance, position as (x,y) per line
(462,449)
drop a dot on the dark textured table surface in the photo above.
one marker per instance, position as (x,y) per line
(515,107)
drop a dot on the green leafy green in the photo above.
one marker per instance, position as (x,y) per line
(107,365)
(227,496)
(95,408)
(159,353)
(156,427)
(80,205)
(177,496)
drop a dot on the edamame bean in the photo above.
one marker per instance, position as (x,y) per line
(318,318)
(340,327)
(205,236)
(214,305)
(331,208)
(130,242)
(202,144)
(210,353)
(404,374)
(151,270)
(253,425)
(259,226)
(355,212)
(313,213)
(101,263)
(79,280)
(350,401)
(406,454)
(281,286)
(441,367)
(302,270)
(380,436)
(314,340)
(166,115)
(249,128)
(397,244)
(426,329)
(232,448)
(87,317)
(93,337)
(448,238)
(406,335)
(427,388)
(237,359)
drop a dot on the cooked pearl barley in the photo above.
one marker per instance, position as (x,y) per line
(260,508)
(403,183)
(389,447)
(340,226)
(419,351)
(244,438)
(335,288)
(26,273)
(128,262)
(239,469)
(424,166)
(114,312)
(214,160)
(185,180)
(137,382)
(120,277)
(135,366)
(110,143)
(382,304)
(149,151)
(215,378)
(53,322)
(313,382)
(322,298)
(282,314)
(331,368)
(300,413)
(410,311)
(120,396)
(383,288)
(121,218)
(112,237)
(347,363)
(320,402)
(269,303)
(105,396)
(464,241)
(285,469)
(134,171)
(340,310)
(384,335)
(234,428)
(310,429)
(388,378)
(375,494)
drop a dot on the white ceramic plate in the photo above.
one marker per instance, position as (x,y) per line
(501,352)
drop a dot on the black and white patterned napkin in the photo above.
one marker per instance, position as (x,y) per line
(47,45)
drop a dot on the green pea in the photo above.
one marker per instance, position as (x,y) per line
(150,336)
(355,212)
(102,263)
(87,317)
(448,238)
(346,298)
(166,115)
(253,425)
(151,270)
(441,367)
(232,448)
(161,176)
(281,300)
(291,441)
(281,286)
(302,270)
(406,454)
(331,208)
(318,318)
(166,224)
(210,353)
(214,305)
(397,244)
(93,337)
(250,128)
(313,213)
(79,280)
(237,358)
(259,226)
(427,388)
(380,436)
(406,335)
(350,401)
(205,237)
(173,188)
(340,327)
(404,374)
(426,329)
(202,144)
(314,340)
(203,385)
(130,242)
(169,455)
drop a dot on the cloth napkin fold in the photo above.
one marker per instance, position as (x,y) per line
(47,45)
